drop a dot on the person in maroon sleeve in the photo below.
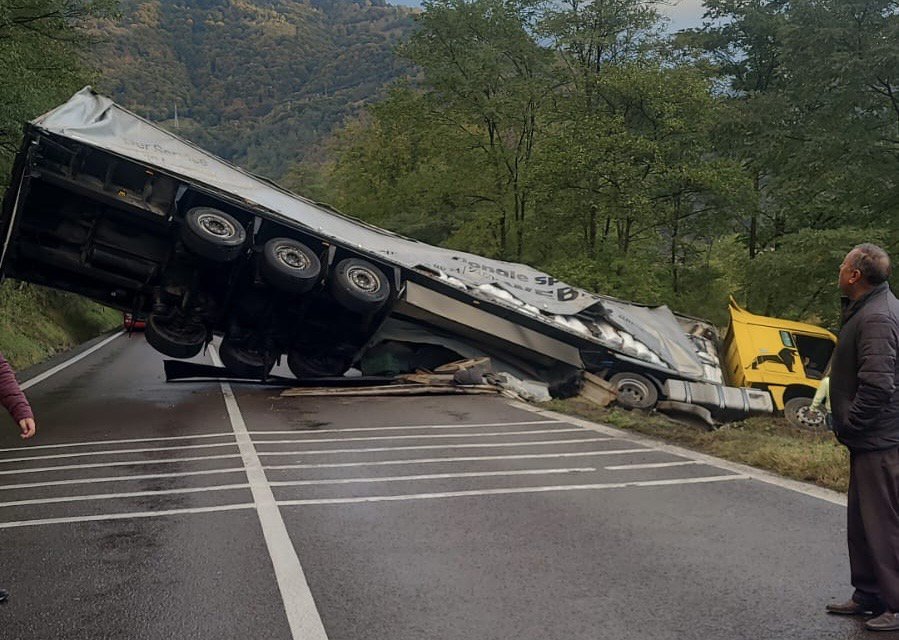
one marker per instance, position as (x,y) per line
(14,401)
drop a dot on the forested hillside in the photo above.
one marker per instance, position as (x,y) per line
(258,82)
(746,157)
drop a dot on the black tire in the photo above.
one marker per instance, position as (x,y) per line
(359,286)
(175,336)
(289,265)
(213,234)
(244,361)
(323,365)
(798,413)
(635,391)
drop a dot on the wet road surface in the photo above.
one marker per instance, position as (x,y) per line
(152,510)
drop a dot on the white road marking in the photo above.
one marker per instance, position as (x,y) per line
(124,516)
(651,465)
(98,465)
(756,474)
(29,447)
(148,476)
(81,454)
(511,490)
(302,615)
(129,494)
(529,456)
(414,426)
(488,445)
(49,372)
(430,476)
(420,437)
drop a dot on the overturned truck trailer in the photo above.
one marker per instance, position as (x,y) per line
(110,206)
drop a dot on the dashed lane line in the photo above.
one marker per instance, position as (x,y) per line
(488,445)
(302,614)
(430,476)
(511,490)
(528,456)
(116,496)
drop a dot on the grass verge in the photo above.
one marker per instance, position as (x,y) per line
(766,443)
(36,322)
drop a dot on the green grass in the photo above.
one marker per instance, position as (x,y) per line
(36,323)
(766,443)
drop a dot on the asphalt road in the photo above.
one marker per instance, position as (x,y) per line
(152,510)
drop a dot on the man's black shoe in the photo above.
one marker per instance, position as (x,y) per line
(853,608)
(886,621)
(4,595)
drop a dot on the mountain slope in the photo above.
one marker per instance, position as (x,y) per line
(258,82)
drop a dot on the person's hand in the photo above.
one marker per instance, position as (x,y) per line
(27,426)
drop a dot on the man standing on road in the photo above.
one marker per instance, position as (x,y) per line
(864,396)
(14,401)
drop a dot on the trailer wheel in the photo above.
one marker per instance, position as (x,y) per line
(323,365)
(359,286)
(244,361)
(213,234)
(290,265)
(175,336)
(635,391)
(799,413)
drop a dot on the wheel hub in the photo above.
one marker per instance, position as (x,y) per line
(364,279)
(292,258)
(809,418)
(633,391)
(216,226)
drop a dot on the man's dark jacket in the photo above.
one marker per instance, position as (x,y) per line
(864,377)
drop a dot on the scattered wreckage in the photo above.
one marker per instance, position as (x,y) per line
(108,205)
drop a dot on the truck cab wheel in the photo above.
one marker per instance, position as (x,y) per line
(359,286)
(799,413)
(289,265)
(244,361)
(175,335)
(213,234)
(635,391)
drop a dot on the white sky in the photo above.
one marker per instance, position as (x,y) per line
(683,13)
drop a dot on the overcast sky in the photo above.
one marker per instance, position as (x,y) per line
(683,13)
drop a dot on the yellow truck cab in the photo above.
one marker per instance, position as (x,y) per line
(785,358)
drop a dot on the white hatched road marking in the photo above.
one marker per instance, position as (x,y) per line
(433,446)
(124,516)
(148,476)
(302,614)
(512,490)
(527,456)
(127,463)
(430,476)
(414,426)
(80,454)
(128,441)
(49,372)
(130,494)
(491,434)
(651,465)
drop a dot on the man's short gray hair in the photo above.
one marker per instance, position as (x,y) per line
(872,261)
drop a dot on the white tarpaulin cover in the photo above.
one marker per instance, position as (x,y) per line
(96,120)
